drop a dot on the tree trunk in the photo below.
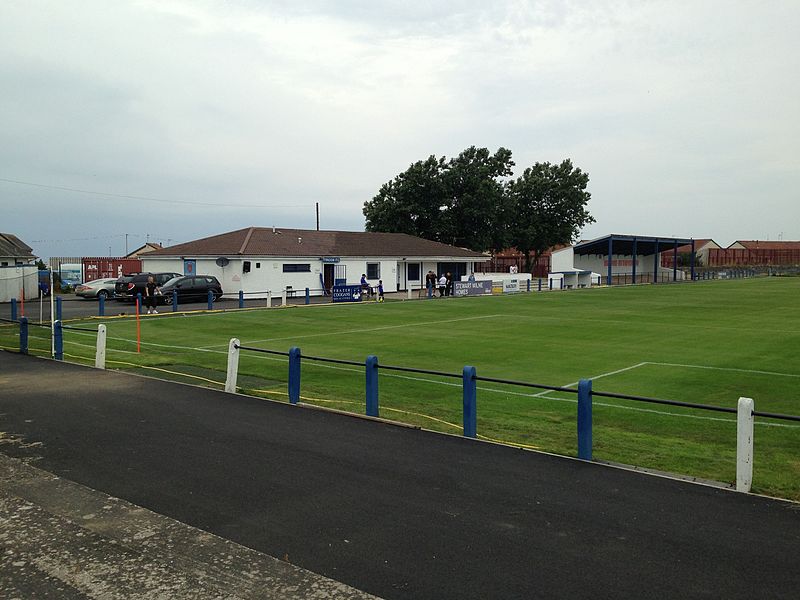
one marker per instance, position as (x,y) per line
(527,254)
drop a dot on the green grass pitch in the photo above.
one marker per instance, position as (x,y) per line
(707,342)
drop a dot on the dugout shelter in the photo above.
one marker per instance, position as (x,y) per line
(626,258)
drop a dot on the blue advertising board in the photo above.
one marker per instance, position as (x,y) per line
(346,293)
(472,288)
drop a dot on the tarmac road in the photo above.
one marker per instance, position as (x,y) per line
(394,511)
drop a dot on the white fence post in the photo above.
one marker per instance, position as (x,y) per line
(100,355)
(409,292)
(744,445)
(233,365)
(283,297)
(269,299)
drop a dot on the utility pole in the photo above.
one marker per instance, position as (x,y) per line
(317,216)
(126,244)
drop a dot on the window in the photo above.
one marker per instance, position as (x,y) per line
(413,271)
(373,270)
(297,268)
(258,265)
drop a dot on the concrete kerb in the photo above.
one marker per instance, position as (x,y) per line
(101,545)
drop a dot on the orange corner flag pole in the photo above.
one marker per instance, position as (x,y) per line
(138,329)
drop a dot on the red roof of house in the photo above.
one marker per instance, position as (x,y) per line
(768,245)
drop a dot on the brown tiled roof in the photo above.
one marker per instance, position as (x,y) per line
(767,245)
(11,245)
(263,241)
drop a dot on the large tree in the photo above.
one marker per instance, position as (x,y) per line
(457,201)
(547,206)
(475,213)
(412,202)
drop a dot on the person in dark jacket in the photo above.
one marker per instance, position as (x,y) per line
(151,290)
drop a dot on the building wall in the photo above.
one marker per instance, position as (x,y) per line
(16,281)
(266,274)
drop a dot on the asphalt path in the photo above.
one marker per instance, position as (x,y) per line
(394,511)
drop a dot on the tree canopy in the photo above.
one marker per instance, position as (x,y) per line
(470,201)
(548,204)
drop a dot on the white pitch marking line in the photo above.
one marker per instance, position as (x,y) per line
(365,330)
(754,371)
(636,366)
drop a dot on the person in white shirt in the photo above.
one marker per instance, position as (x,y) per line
(442,285)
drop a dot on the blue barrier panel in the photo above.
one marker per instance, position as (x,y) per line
(58,337)
(308,296)
(13,309)
(58,308)
(23,335)
(174,300)
(241,299)
(210,299)
(101,306)
(470,403)
(294,375)
(585,419)
(346,293)
(372,385)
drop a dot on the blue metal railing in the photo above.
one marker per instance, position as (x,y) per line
(470,378)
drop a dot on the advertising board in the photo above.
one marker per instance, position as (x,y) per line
(472,288)
(346,293)
(510,286)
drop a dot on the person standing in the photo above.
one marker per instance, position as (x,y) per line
(471,276)
(430,283)
(442,285)
(365,289)
(150,292)
(448,290)
(380,290)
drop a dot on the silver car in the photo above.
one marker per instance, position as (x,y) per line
(99,288)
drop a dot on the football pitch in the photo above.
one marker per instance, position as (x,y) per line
(707,342)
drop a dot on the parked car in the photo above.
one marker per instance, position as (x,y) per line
(99,288)
(191,288)
(128,286)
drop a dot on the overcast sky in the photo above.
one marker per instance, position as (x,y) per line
(180,119)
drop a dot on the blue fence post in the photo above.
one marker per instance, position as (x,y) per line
(101,306)
(372,385)
(139,301)
(294,375)
(58,308)
(23,335)
(529,285)
(174,300)
(585,419)
(241,298)
(470,403)
(58,337)
(308,296)
(13,309)
(540,284)
(210,299)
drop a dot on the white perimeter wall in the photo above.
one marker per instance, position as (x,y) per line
(14,279)
(266,274)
